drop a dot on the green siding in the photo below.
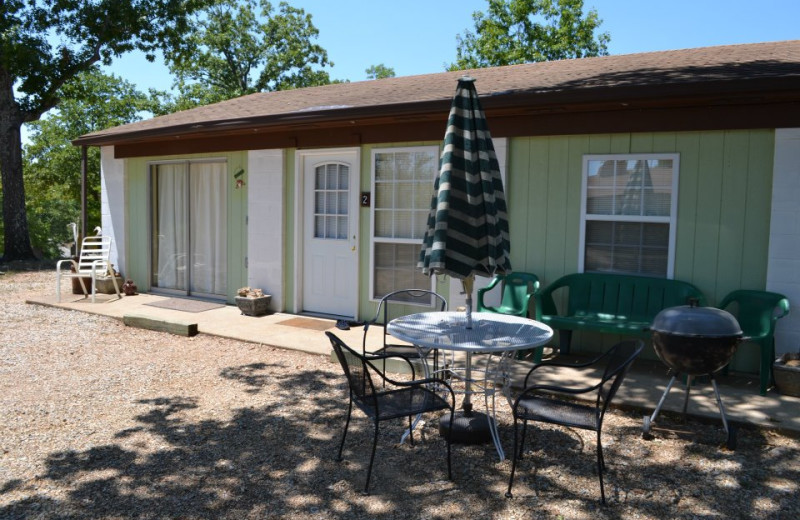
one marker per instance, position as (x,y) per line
(724,194)
(725,184)
(137,198)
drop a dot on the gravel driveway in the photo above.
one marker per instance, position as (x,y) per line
(103,421)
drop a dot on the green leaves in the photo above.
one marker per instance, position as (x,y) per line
(44,44)
(233,51)
(525,31)
(379,71)
(92,101)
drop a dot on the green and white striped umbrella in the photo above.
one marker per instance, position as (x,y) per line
(468,223)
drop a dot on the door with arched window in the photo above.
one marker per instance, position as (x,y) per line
(330,234)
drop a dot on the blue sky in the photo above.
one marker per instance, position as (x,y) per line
(419,36)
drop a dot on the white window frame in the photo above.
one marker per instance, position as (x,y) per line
(672,219)
(435,150)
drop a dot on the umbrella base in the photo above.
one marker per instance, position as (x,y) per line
(468,428)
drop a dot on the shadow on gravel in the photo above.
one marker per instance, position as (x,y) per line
(276,460)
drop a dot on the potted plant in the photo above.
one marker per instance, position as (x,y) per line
(252,302)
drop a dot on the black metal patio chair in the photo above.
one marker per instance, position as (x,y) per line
(400,399)
(383,314)
(556,404)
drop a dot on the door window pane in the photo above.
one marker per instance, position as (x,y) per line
(331,190)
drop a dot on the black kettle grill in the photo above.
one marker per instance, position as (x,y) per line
(695,341)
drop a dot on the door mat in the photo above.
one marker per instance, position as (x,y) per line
(307,323)
(185,305)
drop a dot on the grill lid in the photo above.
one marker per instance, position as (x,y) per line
(691,320)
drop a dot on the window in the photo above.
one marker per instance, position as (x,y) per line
(331,188)
(629,206)
(402,190)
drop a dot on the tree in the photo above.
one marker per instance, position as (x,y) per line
(525,31)
(46,43)
(379,71)
(232,52)
(91,101)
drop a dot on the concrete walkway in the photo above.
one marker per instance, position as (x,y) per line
(641,390)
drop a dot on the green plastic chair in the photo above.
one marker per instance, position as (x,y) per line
(518,290)
(757,313)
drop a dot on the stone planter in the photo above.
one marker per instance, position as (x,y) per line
(786,371)
(106,285)
(257,306)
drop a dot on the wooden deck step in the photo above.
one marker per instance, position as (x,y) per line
(180,328)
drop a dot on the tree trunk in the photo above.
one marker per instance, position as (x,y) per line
(17,241)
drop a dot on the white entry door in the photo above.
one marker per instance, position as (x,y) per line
(330,256)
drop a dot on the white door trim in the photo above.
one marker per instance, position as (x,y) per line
(299,215)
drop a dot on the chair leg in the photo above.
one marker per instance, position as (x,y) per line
(514,459)
(449,429)
(524,433)
(346,424)
(601,458)
(411,430)
(565,336)
(601,466)
(372,457)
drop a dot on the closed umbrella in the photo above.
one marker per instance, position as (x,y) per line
(467,230)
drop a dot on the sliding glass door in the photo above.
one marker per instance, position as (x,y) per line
(188,223)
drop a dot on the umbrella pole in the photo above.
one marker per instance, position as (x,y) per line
(467,283)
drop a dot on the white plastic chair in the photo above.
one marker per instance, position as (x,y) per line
(93,262)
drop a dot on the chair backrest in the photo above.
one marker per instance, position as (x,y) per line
(638,298)
(756,311)
(619,360)
(516,288)
(356,370)
(93,248)
(422,297)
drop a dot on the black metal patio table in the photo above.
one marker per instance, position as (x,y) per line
(497,335)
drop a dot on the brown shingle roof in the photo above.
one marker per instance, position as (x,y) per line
(722,70)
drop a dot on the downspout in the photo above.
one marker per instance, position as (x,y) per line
(84,183)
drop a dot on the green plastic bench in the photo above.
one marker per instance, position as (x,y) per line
(609,303)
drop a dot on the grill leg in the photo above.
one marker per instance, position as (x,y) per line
(719,404)
(689,380)
(730,430)
(649,420)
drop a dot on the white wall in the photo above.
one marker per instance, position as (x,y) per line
(783,267)
(456,298)
(112,205)
(265,229)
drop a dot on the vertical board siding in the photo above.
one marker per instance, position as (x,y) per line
(708,210)
(758,204)
(688,144)
(724,191)
(732,212)
(556,233)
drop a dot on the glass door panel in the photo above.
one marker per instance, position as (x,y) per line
(170,234)
(188,218)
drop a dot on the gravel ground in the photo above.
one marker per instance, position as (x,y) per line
(103,421)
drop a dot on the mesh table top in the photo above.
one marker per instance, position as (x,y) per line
(490,332)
